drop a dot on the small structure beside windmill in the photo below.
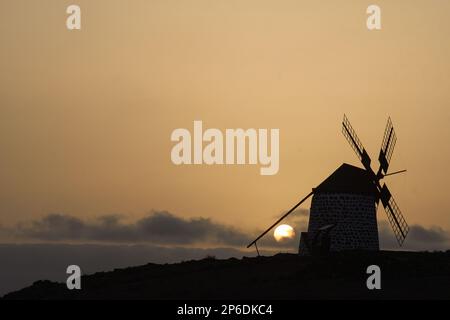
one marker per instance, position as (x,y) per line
(343,207)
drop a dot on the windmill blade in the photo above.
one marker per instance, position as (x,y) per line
(397,221)
(395,217)
(279,220)
(387,146)
(355,143)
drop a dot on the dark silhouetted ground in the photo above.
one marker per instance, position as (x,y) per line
(404,275)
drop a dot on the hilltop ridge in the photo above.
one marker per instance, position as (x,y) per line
(413,275)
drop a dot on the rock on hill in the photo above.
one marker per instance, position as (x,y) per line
(416,275)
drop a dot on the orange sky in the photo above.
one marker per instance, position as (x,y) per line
(86,116)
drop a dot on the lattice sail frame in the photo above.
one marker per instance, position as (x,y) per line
(397,221)
(352,137)
(387,146)
(393,212)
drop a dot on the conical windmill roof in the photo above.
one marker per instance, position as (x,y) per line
(348,179)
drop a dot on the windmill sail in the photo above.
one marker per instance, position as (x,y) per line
(387,146)
(395,217)
(355,143)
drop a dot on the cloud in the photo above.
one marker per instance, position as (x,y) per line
(419,238)
(298,220)
(165,228)
(160,227)
(433,235)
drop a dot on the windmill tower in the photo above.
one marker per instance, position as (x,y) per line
(343,207)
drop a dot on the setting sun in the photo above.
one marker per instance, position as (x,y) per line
(283,232)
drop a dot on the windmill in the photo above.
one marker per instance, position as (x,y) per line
(343,207)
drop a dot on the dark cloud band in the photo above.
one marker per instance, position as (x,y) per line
(165,228)
(160,227)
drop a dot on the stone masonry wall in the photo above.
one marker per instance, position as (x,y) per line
(354,216)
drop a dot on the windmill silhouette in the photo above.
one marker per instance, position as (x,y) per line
(343,207)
